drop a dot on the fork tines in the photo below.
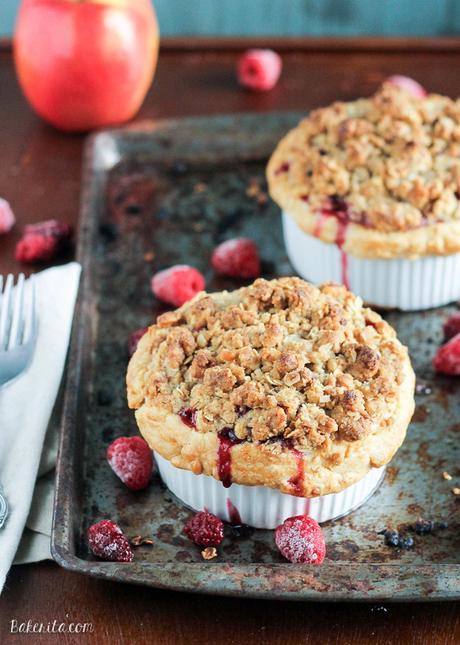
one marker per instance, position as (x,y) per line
(17,311)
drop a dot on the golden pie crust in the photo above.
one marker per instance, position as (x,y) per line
(291,369)
(393,160)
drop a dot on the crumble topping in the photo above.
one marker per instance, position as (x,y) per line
(280,363)
(392,160)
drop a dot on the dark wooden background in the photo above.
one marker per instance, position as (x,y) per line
(40,176)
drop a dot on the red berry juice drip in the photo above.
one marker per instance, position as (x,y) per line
(233,513)
(226,440)
(337,208)
(297,481)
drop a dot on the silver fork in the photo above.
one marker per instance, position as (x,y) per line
(18,333)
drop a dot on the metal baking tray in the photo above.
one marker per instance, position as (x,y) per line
(167,194)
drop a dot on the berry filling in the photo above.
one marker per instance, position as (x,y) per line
(188,416)
(370,323)
(283,168)
(338,208)
(241,410)
(134,339)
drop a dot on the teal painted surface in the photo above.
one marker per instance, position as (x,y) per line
(294,17)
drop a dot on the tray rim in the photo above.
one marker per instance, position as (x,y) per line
(427,582)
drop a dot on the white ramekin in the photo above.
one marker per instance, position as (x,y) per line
(403,284)
(261,507)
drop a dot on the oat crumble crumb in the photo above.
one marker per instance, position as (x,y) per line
(393,158)
(276,361)
(209,553)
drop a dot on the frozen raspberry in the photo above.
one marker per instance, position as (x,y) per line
(408,84)
(205,529)
(259,69)
(131,460)
(300,539)
(178,284)
(452,326)
(447,359)
(238,258)
(44,241)
(107,542)
(134,339)
(36,248)
(7,218)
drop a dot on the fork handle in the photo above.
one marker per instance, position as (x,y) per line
(3,508)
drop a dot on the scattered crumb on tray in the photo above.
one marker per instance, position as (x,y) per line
(138,540)
(209,553)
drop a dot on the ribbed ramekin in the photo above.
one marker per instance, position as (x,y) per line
(400,283)
(258,506)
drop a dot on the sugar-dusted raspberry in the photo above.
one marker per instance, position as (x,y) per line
(237,258)
(259,69)
(178,284)
(447,359)
(106,541)
(300,539)
(36,248)
(7,218)
(131,460)
(205,529)
(408,84)
(452,326)
(134,339)
(44,241)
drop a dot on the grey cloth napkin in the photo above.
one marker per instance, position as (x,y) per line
(35,541)
(27,427)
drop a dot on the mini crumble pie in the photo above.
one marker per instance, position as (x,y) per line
(378,176)
(279,384)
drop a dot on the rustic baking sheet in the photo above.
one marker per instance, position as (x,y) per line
(168,194)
